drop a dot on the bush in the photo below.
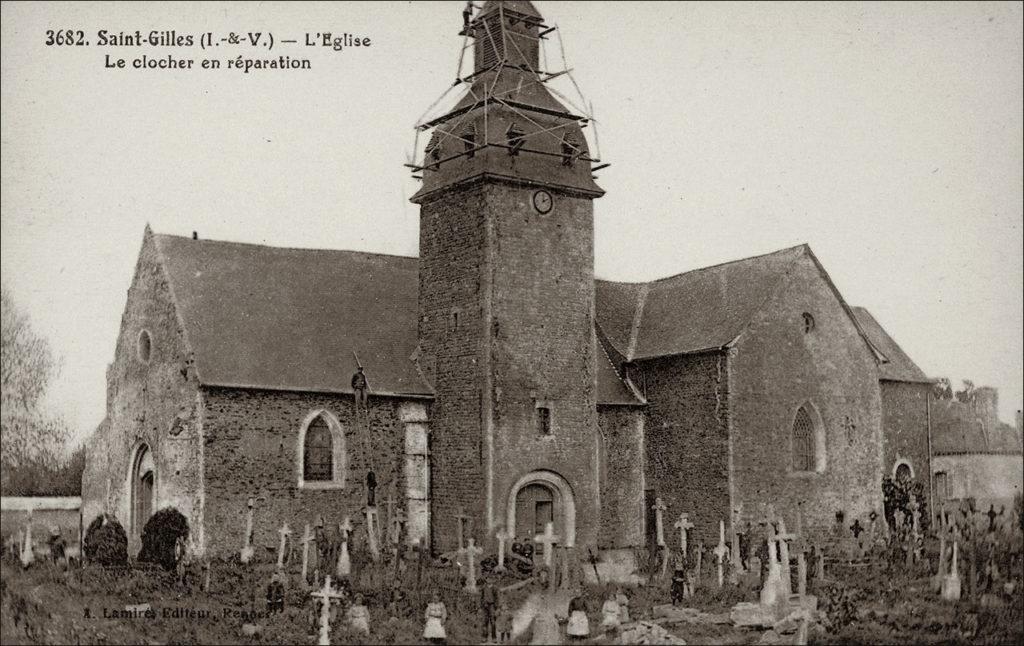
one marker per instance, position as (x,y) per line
(106,543)
(160,536)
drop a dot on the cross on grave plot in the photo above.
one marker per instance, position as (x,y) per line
(247,550)
(720,551)
(992,515)
(684,526)
(471,552)
(783,538)
(659,522)
(395,530)
(547,541)
(326,595)
(371,533)
(390,504)
(460,526)
(799,545)
(343,568)
(503,537)
(284,532)
(951,583)
(770,592)
(915,514)
(307,538)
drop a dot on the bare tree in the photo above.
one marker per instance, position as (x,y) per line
(28,433)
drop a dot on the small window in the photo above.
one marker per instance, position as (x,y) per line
(454,320)
(544,420)
(803,441)
(469,143)
(145,346)
(808,323)
(570,150)
(941,485)
(515,139)
(318,462)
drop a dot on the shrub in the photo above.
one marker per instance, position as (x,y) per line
(106,543)
(160,537)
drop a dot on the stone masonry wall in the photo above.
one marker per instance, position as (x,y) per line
(687,441)
(622,477)
(252,451)
(905,427)
(776,368)
(153,403)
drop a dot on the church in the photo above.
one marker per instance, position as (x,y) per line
(505,387)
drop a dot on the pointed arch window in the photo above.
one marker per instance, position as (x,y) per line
(804,441)
(321,452)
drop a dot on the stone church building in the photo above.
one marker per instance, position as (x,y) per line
(506,386)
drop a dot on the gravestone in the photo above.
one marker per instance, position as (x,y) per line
(782,538)
(247,550)
(343,568)
(371,534)
(284,532)
(951,582)
(307,538)
(502,537)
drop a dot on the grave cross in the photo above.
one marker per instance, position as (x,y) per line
(721,550)
(343,567)
(285,531)
(307,538)
(503,536)
(684,526)
(326,595)
(992,515)
(659,523)
(471,552)
(247,550)
(547,541)
(397,521)
(915,513)
(856,528)
(783,538)
(390,504)
(371,533)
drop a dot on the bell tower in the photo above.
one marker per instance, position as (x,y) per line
(506,293)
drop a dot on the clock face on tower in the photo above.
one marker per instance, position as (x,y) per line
(542,201)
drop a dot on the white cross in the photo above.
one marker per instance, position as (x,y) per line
(547,540)
(721,550)
(503,537)
(307,538)
(247,551)
(471,551)
(684,526)
(285,531)
(659,523)
(326,594)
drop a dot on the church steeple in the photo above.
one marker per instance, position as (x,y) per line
(508,124)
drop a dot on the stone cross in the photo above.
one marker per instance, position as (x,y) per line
(371,534)
(786,585)
(915,513)
(547,540)
(307,538)
(659,524)
(951,584)
(684,526)
(397,521)
(721,551)
(326,595)
(285,531)
(471,552)
(343,567)
(799,545)
(460,526)
(27,555)
(247,551)
(772,583)
(503,536)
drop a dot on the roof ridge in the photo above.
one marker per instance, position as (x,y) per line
(276,248)
(697,269)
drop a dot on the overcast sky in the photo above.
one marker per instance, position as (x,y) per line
(887,136)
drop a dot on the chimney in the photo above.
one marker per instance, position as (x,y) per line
(195,235)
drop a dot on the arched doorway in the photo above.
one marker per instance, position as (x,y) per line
(143,488)
(903,472)
(538,498)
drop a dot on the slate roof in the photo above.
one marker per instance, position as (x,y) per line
(899,366)
(956,430)
(691,312)
(299,330)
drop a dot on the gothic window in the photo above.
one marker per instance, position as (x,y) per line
(318,463)
(515,139)
(803,441)
(321,452)
(808,323)
(544,420)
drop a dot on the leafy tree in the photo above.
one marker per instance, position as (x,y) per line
(30,437)
(966,394)
(943,388)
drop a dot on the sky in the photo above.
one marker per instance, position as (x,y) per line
(888,136)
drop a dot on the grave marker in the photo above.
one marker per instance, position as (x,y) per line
(326,595)
(783,538)
(343,568)
(285,531)
(503,537)
(247,549)
(307,538)
(471,552)
(720,551)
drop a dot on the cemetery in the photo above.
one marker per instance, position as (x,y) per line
(894,576)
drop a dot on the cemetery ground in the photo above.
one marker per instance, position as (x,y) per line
(869,604)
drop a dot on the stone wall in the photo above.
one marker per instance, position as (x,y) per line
(252,450)
(775,368)
(905,427)
(152,403)
(989,478)
(621,476)
(687,440)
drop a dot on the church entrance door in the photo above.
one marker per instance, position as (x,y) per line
(539,498)
(143,486)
